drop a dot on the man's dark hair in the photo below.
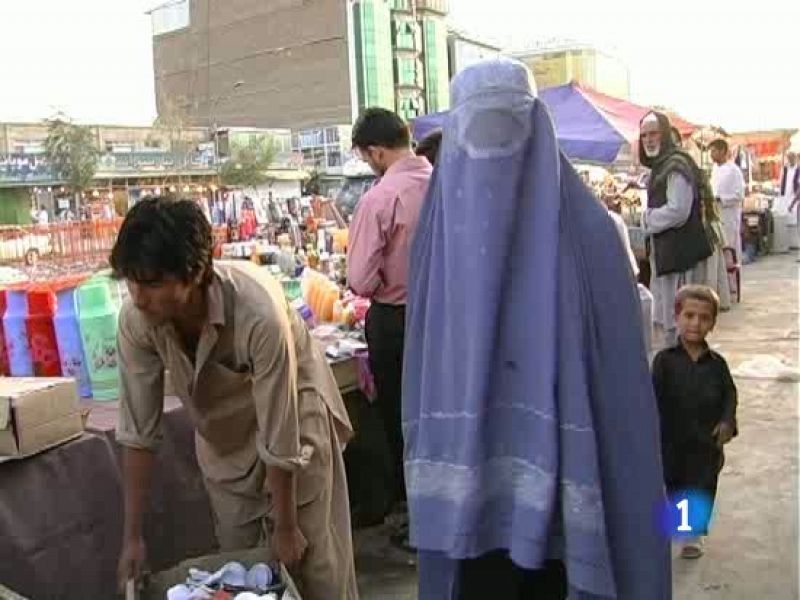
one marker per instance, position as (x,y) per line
(429,146)
(381,127)
(161,238)
(719,144)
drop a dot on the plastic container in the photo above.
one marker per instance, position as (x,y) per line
(70,344)
(4,370)
(291,289)
(117,289)
(42,333)
(15,328)
(305,313)
(329,301)
(98,322)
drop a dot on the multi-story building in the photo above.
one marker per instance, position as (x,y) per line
(465,50)
(589,66)
(132,162)
(311,66)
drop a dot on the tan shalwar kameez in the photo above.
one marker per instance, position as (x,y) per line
(259,393)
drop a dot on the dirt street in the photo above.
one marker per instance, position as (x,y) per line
(752,552)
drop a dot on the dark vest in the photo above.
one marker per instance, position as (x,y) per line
(678,249)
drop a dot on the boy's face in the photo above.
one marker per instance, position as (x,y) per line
(695,320)
(161,300)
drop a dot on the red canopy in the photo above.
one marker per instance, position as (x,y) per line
(625,116)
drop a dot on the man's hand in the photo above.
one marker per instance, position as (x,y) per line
(131,561)
(723,433)
(289,545)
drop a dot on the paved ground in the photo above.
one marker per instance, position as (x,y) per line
(752,553)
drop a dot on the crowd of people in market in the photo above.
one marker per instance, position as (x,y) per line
(532,435)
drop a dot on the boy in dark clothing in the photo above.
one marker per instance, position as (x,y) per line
(697,404)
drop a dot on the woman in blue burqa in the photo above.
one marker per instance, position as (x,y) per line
(532,442)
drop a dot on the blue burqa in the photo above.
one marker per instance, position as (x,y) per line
(529,417)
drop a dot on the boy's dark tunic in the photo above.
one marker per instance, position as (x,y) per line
(693,398)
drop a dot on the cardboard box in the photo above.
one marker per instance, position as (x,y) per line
(37,413)
(159,583)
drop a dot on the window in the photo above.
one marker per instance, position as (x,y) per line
(406,71)
(404,35)
(311,138)
(334,158)
(332,135)
(315,158)
(169,17)
(409,108)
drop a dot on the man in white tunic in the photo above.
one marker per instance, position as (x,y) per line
(728,183)
(789,200)
(673,221)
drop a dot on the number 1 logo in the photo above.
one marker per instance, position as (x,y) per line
(683,506)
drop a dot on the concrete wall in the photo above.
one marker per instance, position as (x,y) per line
(291,54)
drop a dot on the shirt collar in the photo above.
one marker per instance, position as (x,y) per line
(216,300)
(679,347)
(404,165)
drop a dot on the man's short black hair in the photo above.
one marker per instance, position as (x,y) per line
(429,146)
(160,238)
(719,144)
(381,127)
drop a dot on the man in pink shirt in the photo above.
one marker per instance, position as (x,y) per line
(379,246)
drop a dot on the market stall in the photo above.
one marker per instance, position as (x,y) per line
(68,327)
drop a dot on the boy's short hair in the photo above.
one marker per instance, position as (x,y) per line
(719,144)
(381,127)
(703,293)
(161,238)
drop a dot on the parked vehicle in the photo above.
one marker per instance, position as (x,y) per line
(24,244)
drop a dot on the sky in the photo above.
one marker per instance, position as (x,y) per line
(708,60)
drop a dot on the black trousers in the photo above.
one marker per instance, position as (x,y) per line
(494,575)
(385,329)
(694,467)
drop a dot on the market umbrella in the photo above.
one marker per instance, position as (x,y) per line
(590,126)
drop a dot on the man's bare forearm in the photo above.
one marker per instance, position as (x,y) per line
(282,486)
(138,473)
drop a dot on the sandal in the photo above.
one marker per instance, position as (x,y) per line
(693,549)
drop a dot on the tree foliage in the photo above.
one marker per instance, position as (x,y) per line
(249,162)
(72,152)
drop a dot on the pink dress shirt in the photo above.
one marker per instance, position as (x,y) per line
(382,229)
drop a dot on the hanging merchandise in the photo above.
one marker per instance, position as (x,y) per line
(16,334)
(70,345)
(98,321)
(42,334)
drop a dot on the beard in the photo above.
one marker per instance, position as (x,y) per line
(652,152)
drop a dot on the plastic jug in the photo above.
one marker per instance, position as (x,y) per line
(98,321)
(4,370)
(42,333)
(16,334)
(70,345)
(118,292)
